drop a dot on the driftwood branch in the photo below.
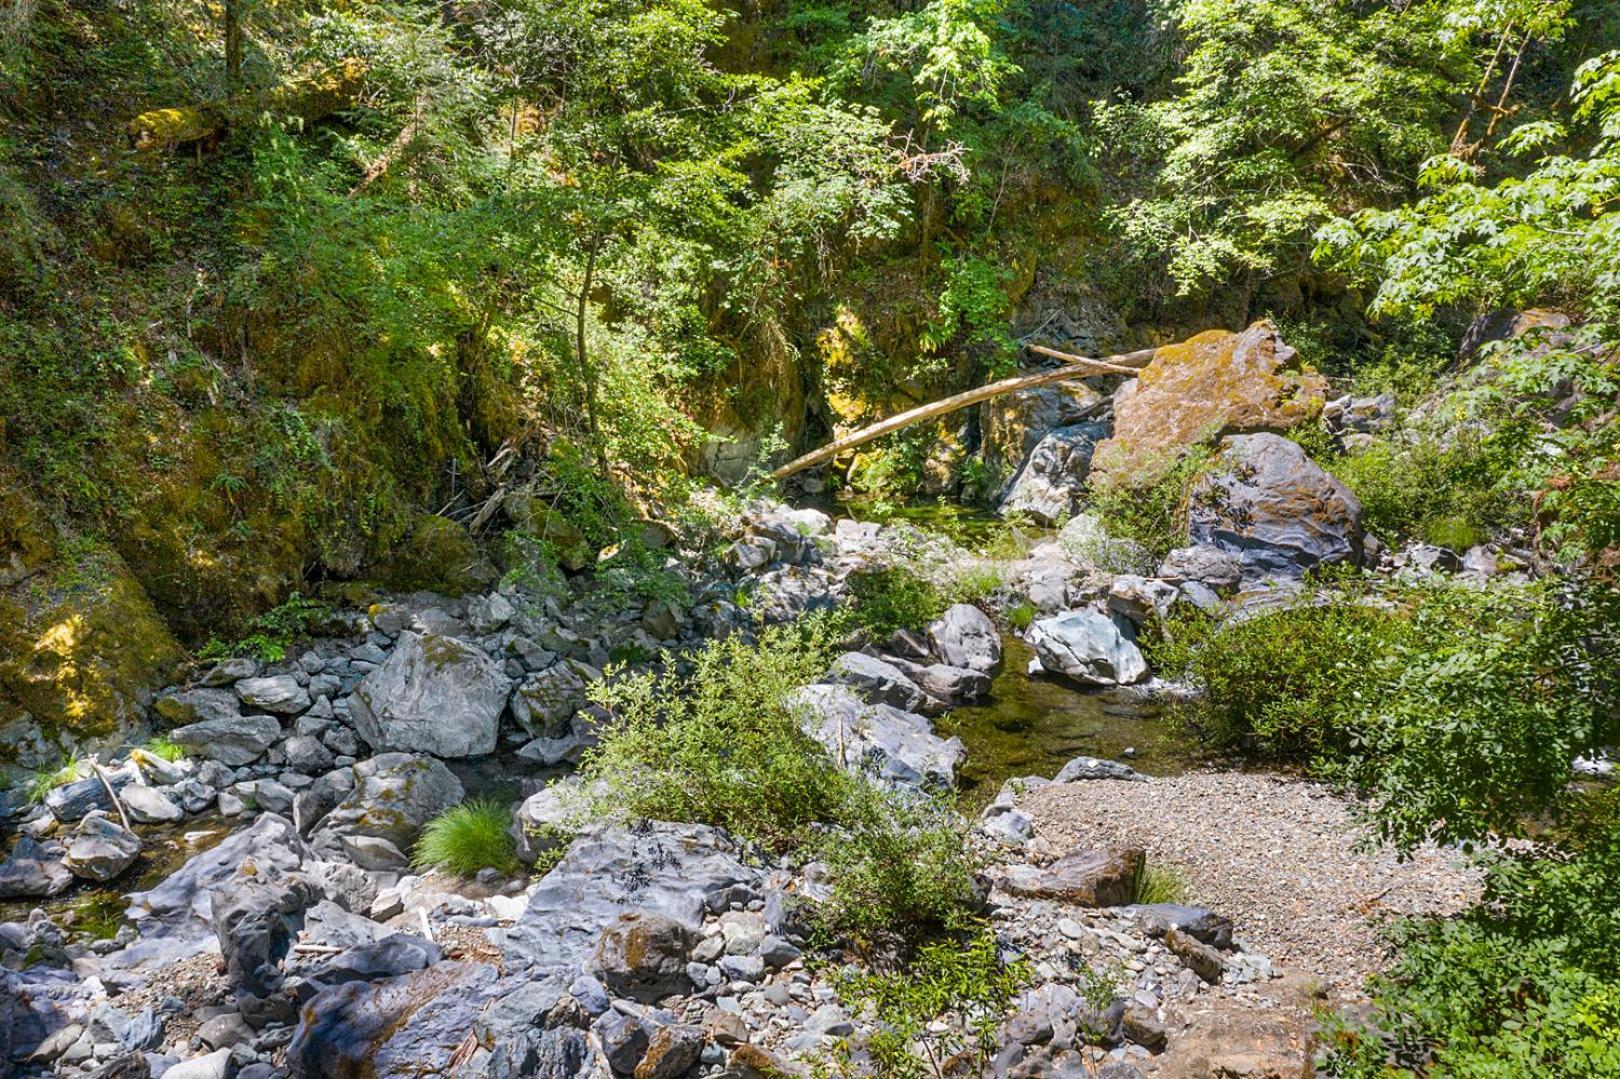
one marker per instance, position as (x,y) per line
(1074,367)
(111,793)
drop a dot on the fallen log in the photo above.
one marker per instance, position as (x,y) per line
(1128,363)
(310,98)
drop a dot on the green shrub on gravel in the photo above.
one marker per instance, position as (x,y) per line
(1456,711)
(466,838)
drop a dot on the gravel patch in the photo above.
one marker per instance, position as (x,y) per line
(1277,855)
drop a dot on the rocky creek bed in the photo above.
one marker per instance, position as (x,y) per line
(304,944)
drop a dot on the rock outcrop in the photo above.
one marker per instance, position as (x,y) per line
(1217,383)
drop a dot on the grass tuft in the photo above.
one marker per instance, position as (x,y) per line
(1160,884)
(466,838)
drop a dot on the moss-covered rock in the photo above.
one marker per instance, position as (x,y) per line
(438,555)
(81,645)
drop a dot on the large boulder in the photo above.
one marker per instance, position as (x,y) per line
(680,871)
(877,681)
(1089,647)
(175,918)
(545,702)
(643,955)
(1266,502)
(1048,486)
(898,747)
(964,636)
(233,740)
(255,921)
(100,850)
(394,795)
(279,693)
(412,1025)
(1217,383)
(1015,423)
(433,694)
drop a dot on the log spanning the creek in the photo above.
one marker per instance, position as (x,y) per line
(1128,363)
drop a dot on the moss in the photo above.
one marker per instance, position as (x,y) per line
(440,556)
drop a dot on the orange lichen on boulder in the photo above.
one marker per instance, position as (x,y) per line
(1217,383)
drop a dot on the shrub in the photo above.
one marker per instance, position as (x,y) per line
(901,873)
(1021,615)
(1457,711)
(975,582)
(1524,983)
(720,745)
(466,838)
(963,976)
(48,779)
(272,633)
(164,748)
(892,599)
(1153,516)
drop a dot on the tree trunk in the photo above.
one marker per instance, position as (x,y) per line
(1075,367)
(309,98)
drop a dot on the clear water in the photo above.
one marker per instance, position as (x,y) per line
(1034,726)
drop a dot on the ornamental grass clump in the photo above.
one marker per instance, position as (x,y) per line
(466,838)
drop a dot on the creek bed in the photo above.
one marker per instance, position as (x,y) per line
(1033,726)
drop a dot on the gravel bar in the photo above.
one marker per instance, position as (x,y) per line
(1278,855)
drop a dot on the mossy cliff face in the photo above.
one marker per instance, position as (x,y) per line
(80,642)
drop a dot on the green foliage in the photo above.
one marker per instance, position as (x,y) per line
(964,980)
(1457,711)
(100,915)
(466,838)
(722,745)
(900,869)
(48,779)
(1021,615)
(1153,517)
(163,748)
(1525,983)
(894,598)
(272,633)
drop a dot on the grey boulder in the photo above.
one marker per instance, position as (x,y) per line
(32,872)
(236,740)
(1049,484)
(278,693)
(896,746)
(877,681)
(394,795)
(1263,500)
(100,850)
(1088,647)
(434,694)
(964,636)
(148,805)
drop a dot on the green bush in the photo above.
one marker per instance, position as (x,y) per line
(1456,711)
(1525,983)
(272,633)
(964,977)
(720,745)
(466,838)
(892,599)
(1154,516)
(1454,495)
(1022,615)
(164,748)
(1160,884)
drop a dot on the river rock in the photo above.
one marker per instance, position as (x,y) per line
(1049,484)
(433,694)
(1088,647)
(1015,423)
(188,706)
(1087,878)
(278,693)
(679,871)
(1083,768)
(1142,601)
(1267,503)
(175,917)
(148,805)
(1157,919)
(1200,958)
(1216,383)
(100,850)
(545,702)
(234,740)
(406,1026)
(876,680)
(964,636)
(394,795)
(671,1051)
(545,820)
(72,800)
(32,872)
(944,686)
(643,956)
(255,922)
(899,747)
(389,957)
